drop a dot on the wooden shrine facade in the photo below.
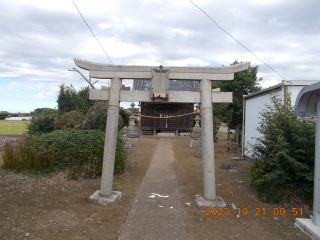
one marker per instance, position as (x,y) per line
(169,124)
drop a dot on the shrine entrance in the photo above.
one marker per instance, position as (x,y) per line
(166,121)
(160,92)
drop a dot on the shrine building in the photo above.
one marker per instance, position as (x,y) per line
(170,124)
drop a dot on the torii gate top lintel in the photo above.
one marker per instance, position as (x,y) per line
(160,80)
(98,70)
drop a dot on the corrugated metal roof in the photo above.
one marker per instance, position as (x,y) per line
(174,85)
(284,82)
(263,91)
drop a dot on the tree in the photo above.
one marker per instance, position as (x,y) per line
(223,113)
(42,122)
(244,83)
(125,117)
(3,115)
(69,99)
(216,126)
(96,117)
(94,112)
(83,94)
(283,158)
(88,80)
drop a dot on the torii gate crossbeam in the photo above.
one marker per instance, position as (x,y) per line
(160,81)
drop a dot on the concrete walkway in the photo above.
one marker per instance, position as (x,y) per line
(157,217)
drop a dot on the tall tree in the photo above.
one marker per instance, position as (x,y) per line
(244,83)
(69,99)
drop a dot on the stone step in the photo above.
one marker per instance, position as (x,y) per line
(148,132)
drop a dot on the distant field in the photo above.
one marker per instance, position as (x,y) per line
(13,127)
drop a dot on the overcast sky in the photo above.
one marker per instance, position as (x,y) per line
(40,39)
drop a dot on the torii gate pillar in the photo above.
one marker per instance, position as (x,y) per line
(110,141)
(105,195)
(160,84)
(209,185)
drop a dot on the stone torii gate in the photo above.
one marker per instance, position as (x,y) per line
(160,83)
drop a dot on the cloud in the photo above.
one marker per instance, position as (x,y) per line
(39,39)
(13,86)
(187,62)
(269,83)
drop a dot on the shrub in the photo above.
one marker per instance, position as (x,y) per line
(68,120)
(121,156)
(3,115)
(120,123)
(125,117)
(216,126)
(96,117)
(42,122)
(283,158)
(81,152)
(21,156)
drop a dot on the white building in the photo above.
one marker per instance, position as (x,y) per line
(254,104)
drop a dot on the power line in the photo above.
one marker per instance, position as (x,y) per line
(94,35)
(236,39)
(91,31)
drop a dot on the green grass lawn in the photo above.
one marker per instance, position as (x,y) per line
(13,126)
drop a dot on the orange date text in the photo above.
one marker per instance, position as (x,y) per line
(256,212)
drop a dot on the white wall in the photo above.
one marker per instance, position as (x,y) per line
(254,106)
(253,109)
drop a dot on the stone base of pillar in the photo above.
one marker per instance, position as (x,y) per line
(134,141)
(307,226)
(198,144)
(105,200)
(201,202)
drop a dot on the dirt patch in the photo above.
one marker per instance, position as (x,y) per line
(232,187)
(55,207)
(59,208)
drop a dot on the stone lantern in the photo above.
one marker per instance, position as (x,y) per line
(196,131)
(133,131)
